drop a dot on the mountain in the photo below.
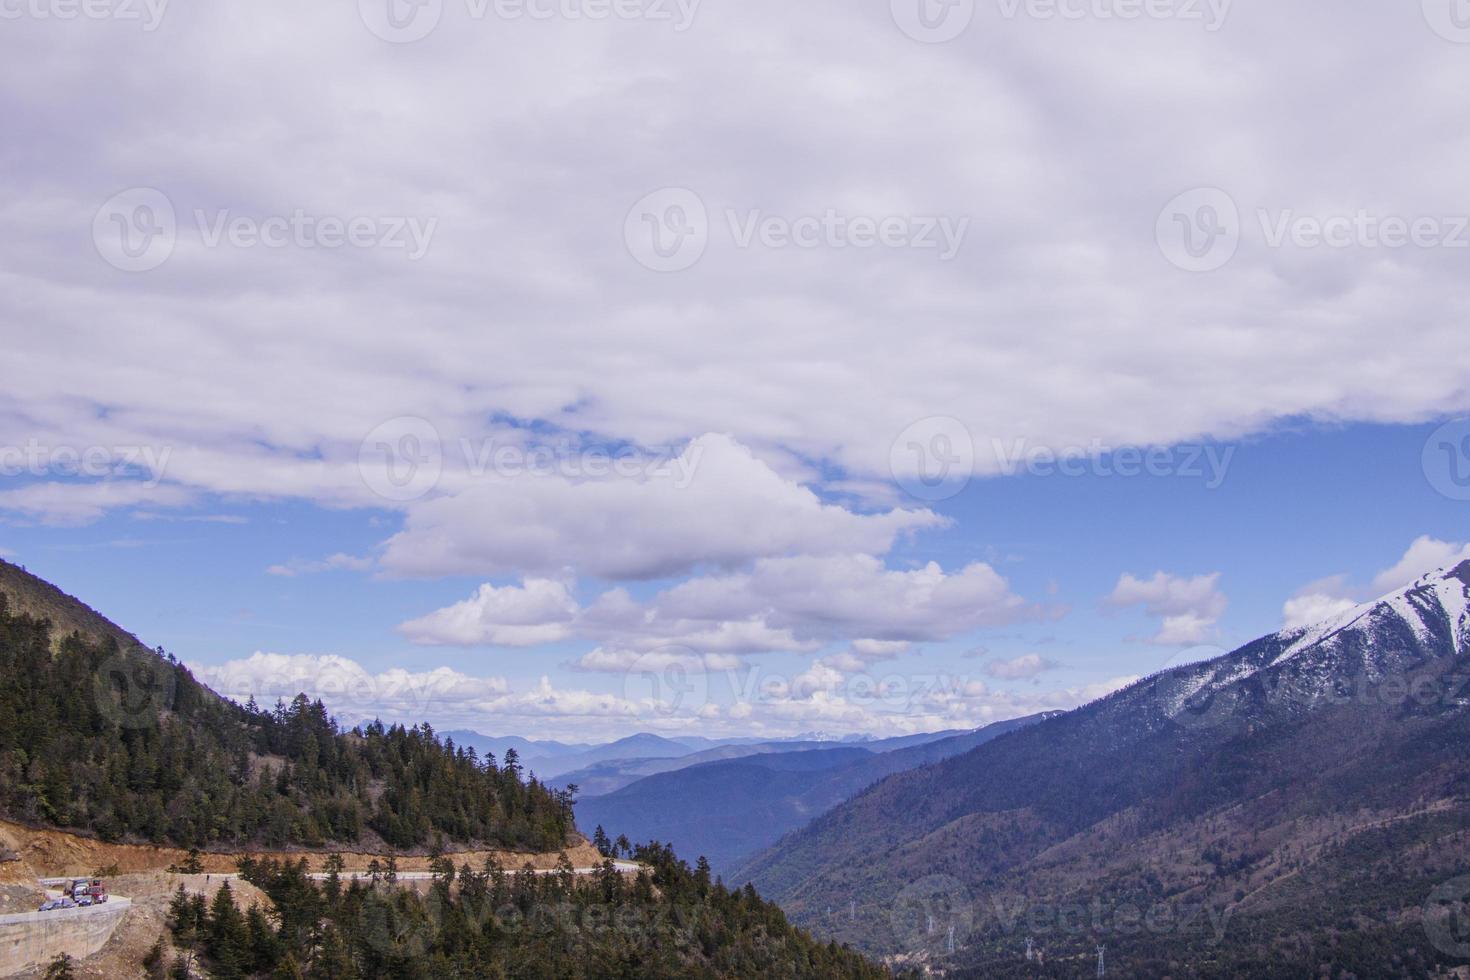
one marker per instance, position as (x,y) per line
(538,755)
(1300,806)
(727,810)
(101,735)
(39,599)
(608,777)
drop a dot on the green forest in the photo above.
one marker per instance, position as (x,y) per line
(123,742)
(668,921)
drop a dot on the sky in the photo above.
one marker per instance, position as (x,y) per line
(574,369)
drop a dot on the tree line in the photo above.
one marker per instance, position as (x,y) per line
(667,921)
(128,745)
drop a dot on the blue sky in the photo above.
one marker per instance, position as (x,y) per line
(1291,508)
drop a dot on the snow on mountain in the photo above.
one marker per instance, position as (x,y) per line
(1298,669)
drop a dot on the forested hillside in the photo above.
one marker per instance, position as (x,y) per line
(1291,809)
(670,921)
(102,735)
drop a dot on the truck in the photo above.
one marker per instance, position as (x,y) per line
(86,891)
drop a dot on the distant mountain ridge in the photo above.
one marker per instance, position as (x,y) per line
(613,774)
(728,809)
(1313,777)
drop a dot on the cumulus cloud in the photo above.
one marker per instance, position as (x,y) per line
(1188,607)
(780,604)
(718,507)
(537,611)
(1424,555)
(344,685)
(853,596)
(1335,595)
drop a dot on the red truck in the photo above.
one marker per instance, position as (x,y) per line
(86,891)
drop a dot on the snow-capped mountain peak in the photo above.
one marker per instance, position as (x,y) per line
(1442,595)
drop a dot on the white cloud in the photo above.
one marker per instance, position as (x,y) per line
(345,686)
(1425,555)
(537,611)
(710,695)
(1023,667)
(853,597)
(337,562)
(622,661)
(71,504)
(289,359)
(719,507)
(781,604)
(1188,607)
(1335,595)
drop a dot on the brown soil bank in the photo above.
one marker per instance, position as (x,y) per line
(53,853)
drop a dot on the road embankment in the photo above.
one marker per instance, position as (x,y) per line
(32,939)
